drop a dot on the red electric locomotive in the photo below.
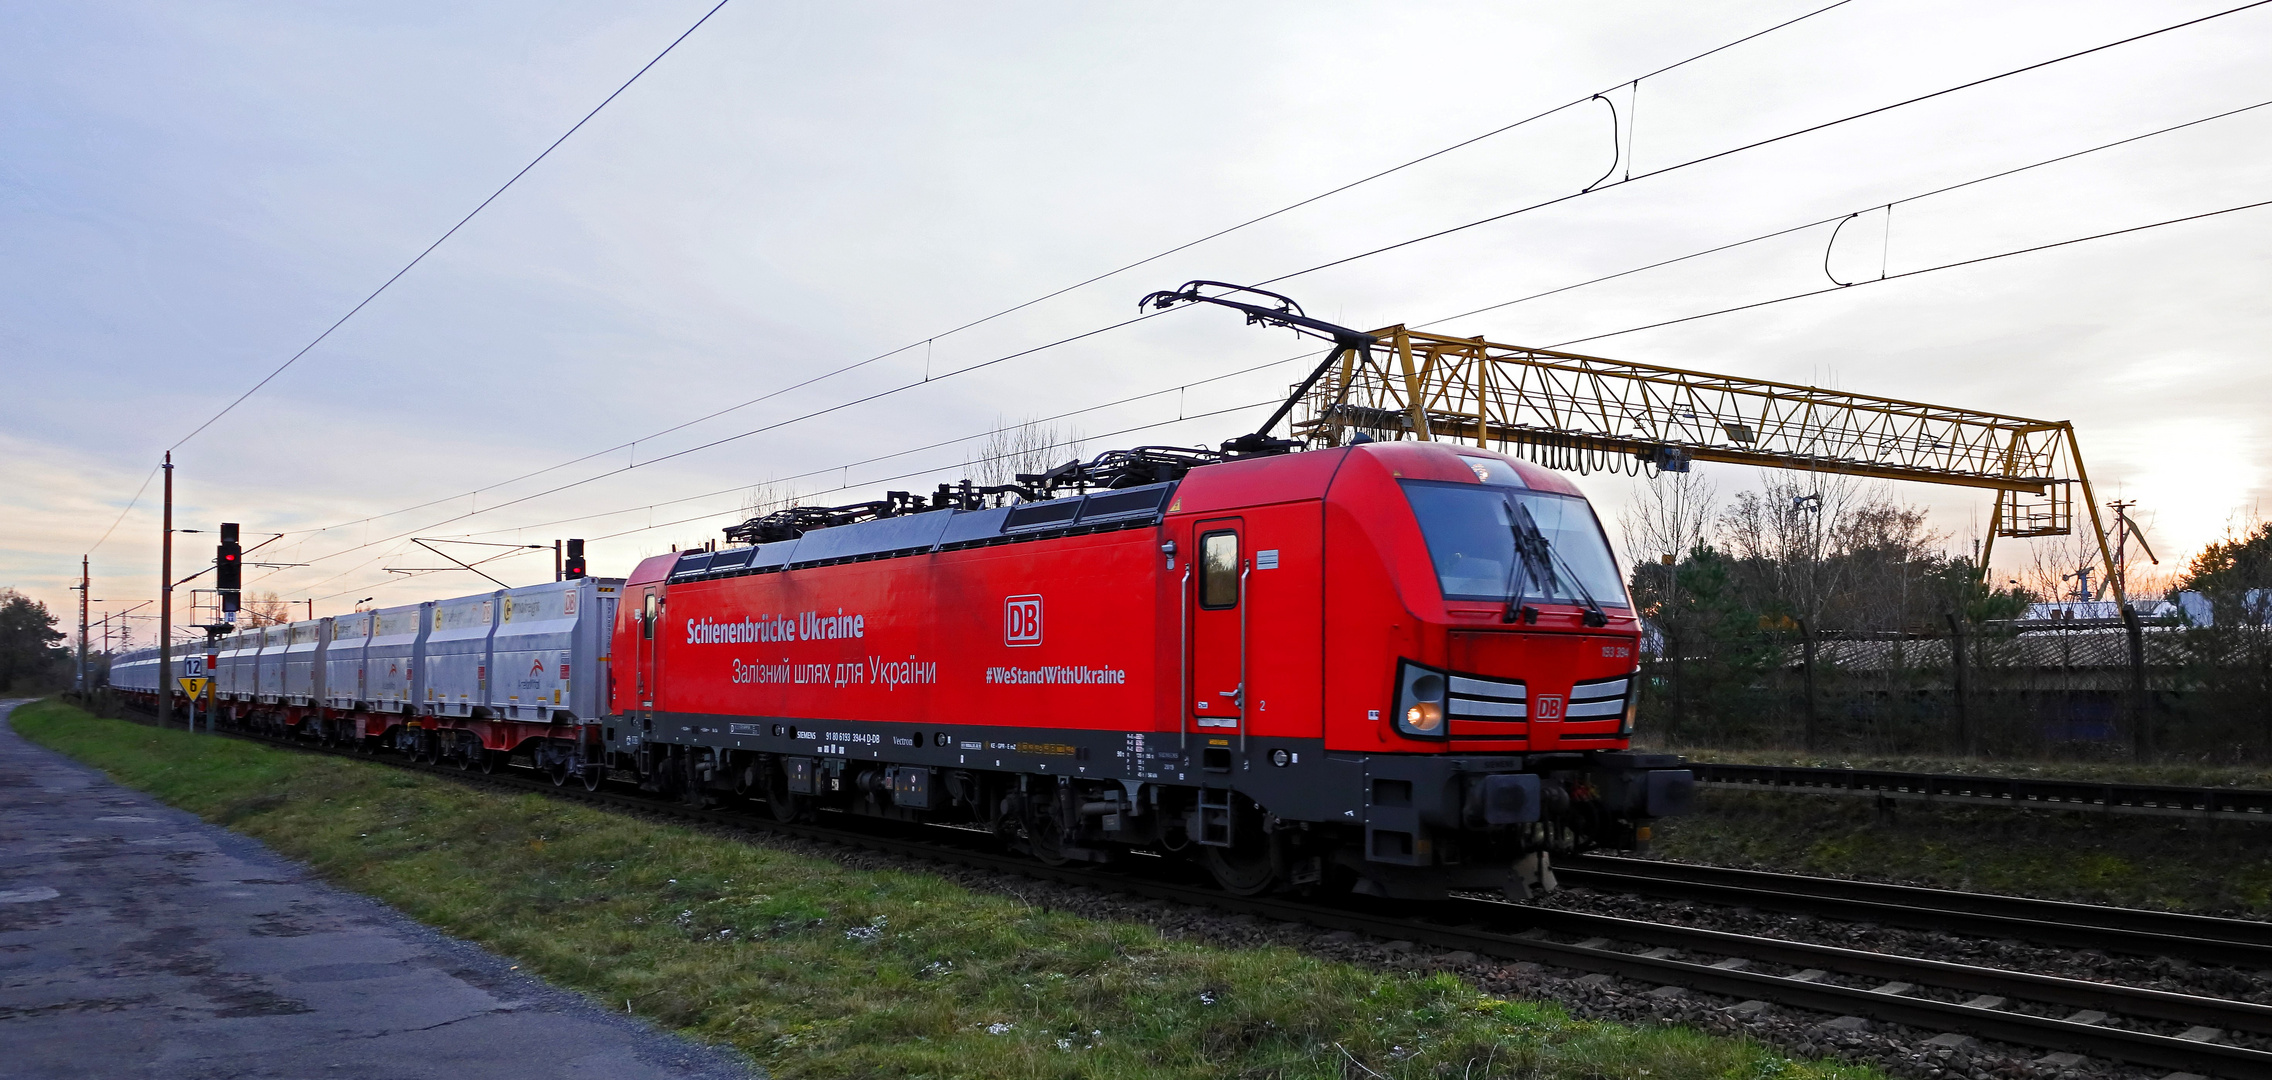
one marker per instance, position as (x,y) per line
(1398,667)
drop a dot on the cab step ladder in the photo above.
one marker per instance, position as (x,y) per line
(1215,817)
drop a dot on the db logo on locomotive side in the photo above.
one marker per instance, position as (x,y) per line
(1548,707)
(1021,620)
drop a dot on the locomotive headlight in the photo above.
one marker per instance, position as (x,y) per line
(1424,718)
(1419,701)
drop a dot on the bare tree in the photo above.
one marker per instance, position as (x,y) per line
(1783,535)
(266,609)
(1025,447)
(1667,523)
(1883,545)
(1675,513)
(2058,566)
(767,497)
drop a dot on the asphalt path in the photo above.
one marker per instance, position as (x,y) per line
(138,941)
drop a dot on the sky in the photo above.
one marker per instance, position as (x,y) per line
(190,194)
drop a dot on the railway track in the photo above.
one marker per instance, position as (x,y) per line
(2140,1027)
(2199,938)
(2160,800)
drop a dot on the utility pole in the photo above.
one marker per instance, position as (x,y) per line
(83,583)
(556,560)
(2141,702)
(166,604)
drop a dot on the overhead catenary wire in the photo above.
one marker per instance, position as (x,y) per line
(1576,464)
(1715,249)
(1954,264)
(1603,278)
(461,223)
(811,415)
(2071,241)
(1581,458)
(1342,261)
(421,257)
(931,340)
(1265,403)
(1802,227)
(1129,400)
(1754,145)
(130,504)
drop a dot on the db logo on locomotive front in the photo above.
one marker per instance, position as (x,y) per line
(1021,620)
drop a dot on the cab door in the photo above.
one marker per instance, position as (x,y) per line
(650,617)
(1218,641)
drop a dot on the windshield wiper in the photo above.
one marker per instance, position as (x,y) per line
(1532,555)
(1595,616)
(1537,557)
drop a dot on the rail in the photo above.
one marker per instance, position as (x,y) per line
(2165,800)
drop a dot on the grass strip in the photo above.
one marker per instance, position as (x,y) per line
(819,970)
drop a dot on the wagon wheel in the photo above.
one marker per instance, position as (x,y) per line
(594,772)
(559,771)
(490,759)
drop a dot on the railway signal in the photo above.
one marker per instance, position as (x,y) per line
(229,571)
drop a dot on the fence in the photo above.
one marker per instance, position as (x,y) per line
(2082,692)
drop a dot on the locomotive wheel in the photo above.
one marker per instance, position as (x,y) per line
(1240,872)
(1046,836)
(787,806)
(1251,865)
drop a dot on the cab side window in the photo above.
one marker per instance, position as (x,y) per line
(647,618)
(1219,570)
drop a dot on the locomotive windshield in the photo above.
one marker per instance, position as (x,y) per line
(1472,533)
